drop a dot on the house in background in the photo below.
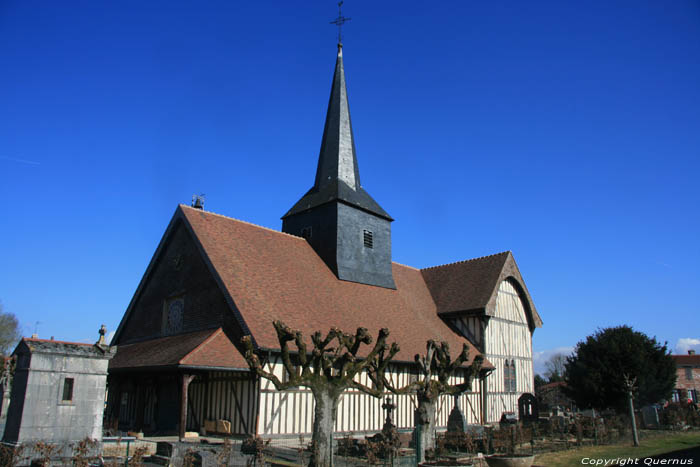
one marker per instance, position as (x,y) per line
(687,377)
(551,398)
(214,279)
(58,391)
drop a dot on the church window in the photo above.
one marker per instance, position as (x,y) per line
(173,315)
(67,390)
(306,233)
(368,238)
(506,377)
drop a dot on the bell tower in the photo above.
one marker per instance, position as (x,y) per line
(340,220)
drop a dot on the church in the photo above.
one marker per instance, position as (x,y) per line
(214,279)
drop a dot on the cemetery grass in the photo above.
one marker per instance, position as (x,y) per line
(647,447)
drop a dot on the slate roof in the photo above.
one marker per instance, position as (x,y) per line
(35,345)
(202,349)
(269,275)
(686,360)
(472,285)
(337,174)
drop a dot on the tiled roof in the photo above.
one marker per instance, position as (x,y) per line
(686,359)
(472,285)
(556,384)
(269,275)
(466,285)
(205,349)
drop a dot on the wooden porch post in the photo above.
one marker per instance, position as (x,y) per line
(186,380)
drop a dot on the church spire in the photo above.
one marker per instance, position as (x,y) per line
(337,173)
(339,219)
(337,159)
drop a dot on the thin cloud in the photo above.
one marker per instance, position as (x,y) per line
(687,343)
(21,161)
(540,358)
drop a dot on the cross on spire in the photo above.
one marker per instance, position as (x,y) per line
(339,21)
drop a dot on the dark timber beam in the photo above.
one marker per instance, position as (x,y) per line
(186,380)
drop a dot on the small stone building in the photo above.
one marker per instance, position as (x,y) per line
(688,377)
(58,391)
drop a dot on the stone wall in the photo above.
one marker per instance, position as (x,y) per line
(42,404)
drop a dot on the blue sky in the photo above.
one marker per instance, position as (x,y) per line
(567,132)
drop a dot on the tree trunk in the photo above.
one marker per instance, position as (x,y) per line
(635,438)
(324,420)
(425,423)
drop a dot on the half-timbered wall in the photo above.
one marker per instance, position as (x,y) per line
(507,338)
(291,412)
(223,396)
(471,328)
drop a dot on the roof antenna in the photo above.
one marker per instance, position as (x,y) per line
(339,21)
(198,201)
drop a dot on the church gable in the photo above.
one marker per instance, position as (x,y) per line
(177,295)
(471,287)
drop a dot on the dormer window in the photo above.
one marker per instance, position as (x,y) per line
(368,238)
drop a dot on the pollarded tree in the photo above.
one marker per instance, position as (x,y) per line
(327,370)
(436,368)
(601,367)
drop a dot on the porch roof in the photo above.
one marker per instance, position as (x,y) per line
(208,349)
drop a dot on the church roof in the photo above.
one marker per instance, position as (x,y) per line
(337,174)
(268,275)
(472,285)
(210,348)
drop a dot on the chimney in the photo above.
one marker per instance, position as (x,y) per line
(691,352)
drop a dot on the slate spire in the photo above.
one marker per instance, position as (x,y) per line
(337,159)
(339,219)
(337,173)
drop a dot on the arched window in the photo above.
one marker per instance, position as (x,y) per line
(512,376)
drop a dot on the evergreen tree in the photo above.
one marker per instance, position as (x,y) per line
(600,365)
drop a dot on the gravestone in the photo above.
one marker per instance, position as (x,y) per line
(528,410)
(456,423)
(650,416)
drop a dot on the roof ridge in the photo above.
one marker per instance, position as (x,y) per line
(241,221)
(405,265)
(53,341)
(200,345)
(467,260)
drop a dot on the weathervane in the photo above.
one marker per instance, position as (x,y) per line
(339,21)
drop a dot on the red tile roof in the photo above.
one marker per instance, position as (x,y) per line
(269,275)
(208,349)
(686,359)
(472,285)
(556,384)
(465,285)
